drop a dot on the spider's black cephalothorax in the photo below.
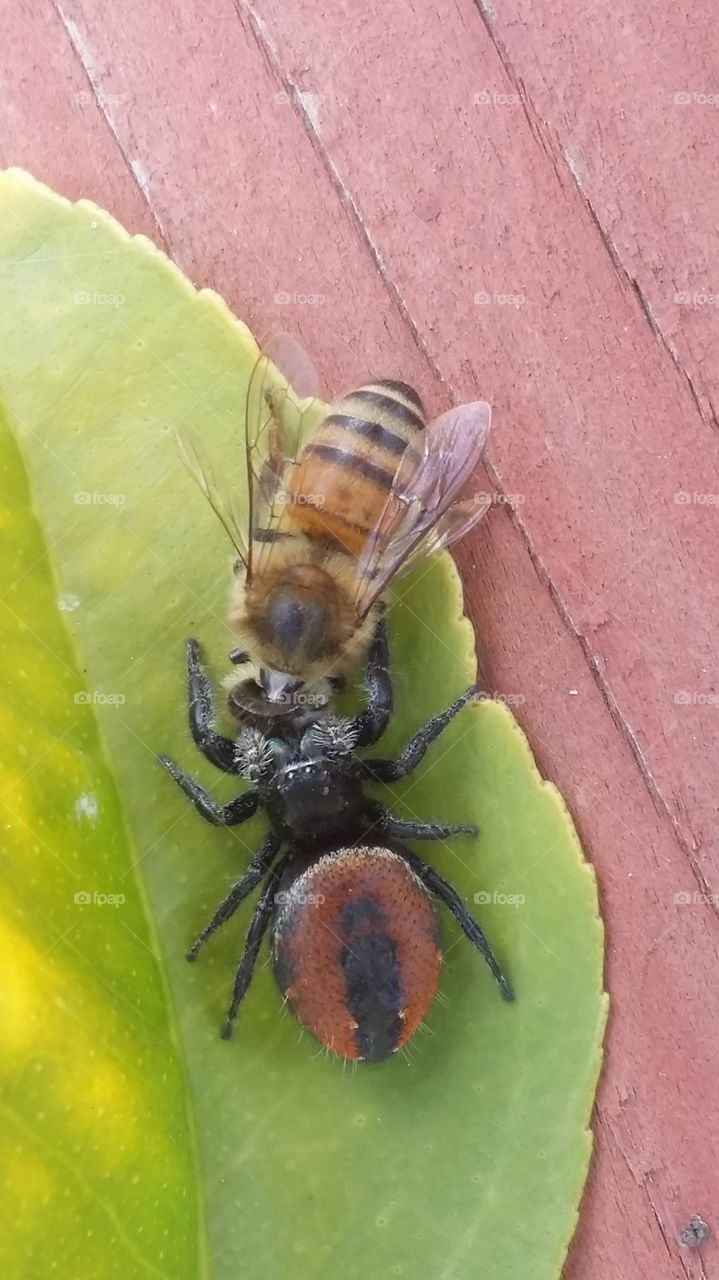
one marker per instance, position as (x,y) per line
(309,780)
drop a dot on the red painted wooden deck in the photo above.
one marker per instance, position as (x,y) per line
(519,200)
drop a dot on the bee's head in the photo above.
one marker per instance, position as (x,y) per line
(300,628)
(301,618)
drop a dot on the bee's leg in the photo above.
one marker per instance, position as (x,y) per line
(258,927)
(257,869)
(449,896)
(391,770)
(369,725)
(220,815)
(218,749)
(422,830)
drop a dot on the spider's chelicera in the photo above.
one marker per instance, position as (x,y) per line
(355,937)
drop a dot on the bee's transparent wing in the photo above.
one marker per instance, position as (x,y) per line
(269,453)
(218,493)
(283,375)
(295,365)
(457,522)
(423,512)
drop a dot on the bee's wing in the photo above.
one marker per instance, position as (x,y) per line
(218,493)
(456,522)
(268,452)
(271,449)
(431,517)
(294,364)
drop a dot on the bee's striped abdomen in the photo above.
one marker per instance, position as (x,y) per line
(347,469)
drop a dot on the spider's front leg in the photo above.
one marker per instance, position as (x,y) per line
(219,750)
(370,723)
(220,815)
(391,770)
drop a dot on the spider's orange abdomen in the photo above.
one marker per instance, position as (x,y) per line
(357,951)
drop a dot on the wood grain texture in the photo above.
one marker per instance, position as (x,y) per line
(505,200)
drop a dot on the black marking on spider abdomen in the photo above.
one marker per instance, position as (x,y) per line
(373,978)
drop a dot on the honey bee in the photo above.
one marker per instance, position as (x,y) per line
(335,514)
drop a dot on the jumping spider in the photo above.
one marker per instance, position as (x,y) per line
(356,944)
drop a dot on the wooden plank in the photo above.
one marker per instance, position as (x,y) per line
(642,151)
(53,124)
(591,392)
(398,163)
(230,184)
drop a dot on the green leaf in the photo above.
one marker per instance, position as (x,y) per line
(464,1157)
(97,1160)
